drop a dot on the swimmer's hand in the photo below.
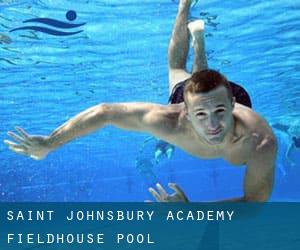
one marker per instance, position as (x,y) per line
(163,196)
(35,146)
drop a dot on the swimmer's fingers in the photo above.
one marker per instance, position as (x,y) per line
(17,138)
(23,133)
(20,149)
(155,194)
(178,190)
(12,144)
(163,194)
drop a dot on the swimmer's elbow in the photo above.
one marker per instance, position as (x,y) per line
(267,147)
(128,116)
(95,116)
(105,113)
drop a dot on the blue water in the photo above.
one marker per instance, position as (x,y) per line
(120,56)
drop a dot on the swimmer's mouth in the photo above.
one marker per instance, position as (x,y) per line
(215,132)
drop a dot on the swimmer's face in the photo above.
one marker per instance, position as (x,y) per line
(210,114)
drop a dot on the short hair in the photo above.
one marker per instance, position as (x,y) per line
(205,81)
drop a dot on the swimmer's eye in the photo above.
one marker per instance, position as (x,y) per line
(201,114)
(220,111)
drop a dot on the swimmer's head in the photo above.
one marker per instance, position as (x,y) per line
(209,103)
(296,141)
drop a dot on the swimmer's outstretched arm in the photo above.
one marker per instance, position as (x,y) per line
(144,117)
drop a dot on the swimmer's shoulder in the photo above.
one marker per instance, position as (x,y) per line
(252,125)
(170,115)
(176,114)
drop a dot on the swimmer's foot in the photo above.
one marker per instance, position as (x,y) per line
(186,3)
(191,3)
(158,155)
(196,29)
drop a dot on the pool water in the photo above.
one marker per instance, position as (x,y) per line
(120,56)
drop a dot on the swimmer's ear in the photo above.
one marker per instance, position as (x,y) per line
(186,113)
(233,101)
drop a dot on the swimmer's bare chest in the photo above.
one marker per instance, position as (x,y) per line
(236,153)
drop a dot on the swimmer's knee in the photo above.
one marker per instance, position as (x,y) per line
(176,76)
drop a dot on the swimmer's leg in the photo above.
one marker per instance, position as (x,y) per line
(196,29)
(179,46)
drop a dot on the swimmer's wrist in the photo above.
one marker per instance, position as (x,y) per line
(49,143)
(52,142)
(79,125)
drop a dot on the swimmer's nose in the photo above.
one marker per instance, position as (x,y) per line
(213,124)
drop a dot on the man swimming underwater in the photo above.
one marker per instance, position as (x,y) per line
(208,118)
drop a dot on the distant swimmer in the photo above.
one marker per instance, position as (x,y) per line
(145,169)
(161,149)
(208,117)
(283,142)
(145,161)
(292,129)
